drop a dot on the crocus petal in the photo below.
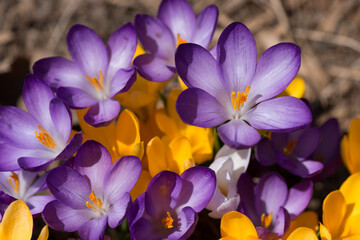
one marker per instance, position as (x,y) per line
(69,187)
(87,50)
(282,222)
(154,36)
(156,152)
(353,152)
(35,164)
(205,26)
(238,226)
(334,211)
(34,187)
(118,210)
(144,229)
(9,157)
(121,45)
(121,79)
(187,220)
(76,97)
(126,171)
(93,160)
(64,218)
(71,148)
(198,68)
(59,72)
(265,153)
(245,188)
(93,229)
(238,134)
(198,187)
(37,203)
(61,118)
(102,113)
(307,142)
(153,68)
(17,223)
(298,198)
(236,51)
(351,191)
(197,107)
(279,114)
(276,68)
(303,233)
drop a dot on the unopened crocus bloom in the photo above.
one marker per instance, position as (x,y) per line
(350,150)
(168,209)
(94,194)
(25,186)
(175,24)
(32,140)
(228,165)
(292,151)
(341,211)
(96,73)
(237,88)
(270,204)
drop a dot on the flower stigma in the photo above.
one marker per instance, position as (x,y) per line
(44,137)
(14,178)
(290,147)
(179,40)
(266,220)
(98,84)
(96,202)
(168,221)
(238,99)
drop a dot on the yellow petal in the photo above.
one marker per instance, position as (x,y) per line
(324,233)
(345,153)
(334,211)
(139,51)
(44,234)
(171,106)
(141,184)
(201,141)
(156,154)
(302,233)
(308,219)
(296,88)
(181,154)
(351,191)
(17,222)
(237,225)
(166,124)
(181,83)
(354,141)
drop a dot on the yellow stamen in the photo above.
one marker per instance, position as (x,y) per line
(16,183)
(96,202)
(179,40)
(289,147)
(238,99)
(266,220)
(168,221)
(44,137)
(98,84)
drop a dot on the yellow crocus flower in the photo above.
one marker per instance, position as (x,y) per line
(350,150)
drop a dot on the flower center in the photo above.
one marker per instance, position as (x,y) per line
(95,203)
(289,147)
(179,40)
(44,137)
(167,222)
(98,84)
(238,99)
(266,220)
(14,182)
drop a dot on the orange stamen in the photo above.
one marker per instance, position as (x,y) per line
(168,221)
(238,100)
(266,220)
(98,84)
(289,147)
(179,40)
(16,183)
(96,202)
(44,137)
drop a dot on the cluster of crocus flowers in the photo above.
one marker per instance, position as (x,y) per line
(145,160)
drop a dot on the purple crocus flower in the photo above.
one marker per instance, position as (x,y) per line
(32,140)
(168,209)
(25,186)
(234,87)
(291,151)
(95,74)
(175,24)
(93,195)
(269,204)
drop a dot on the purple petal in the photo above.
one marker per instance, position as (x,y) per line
(118,210)
(307,142)
(34,164)
(93,160)
(279,114)
(153,68)
(265,152)
(280,140)
(121,79)
(37,186)
(144,229)
(126,171)
(64,218)
(87,50)
(69,187)
(198,187)
(93,229)
(298,198)
(276,68)
(187,220)
(71,148)
(270,193)
(198,69)
(37,203)
(179,17)
(155,37)
(237,57)
(137,209)
(238,134)
(76,97)
(102,113)
(61,118)
(245,188)
(282,222)
(197,107)
(205,26)
(59,72)
(121,48)
(9,157)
